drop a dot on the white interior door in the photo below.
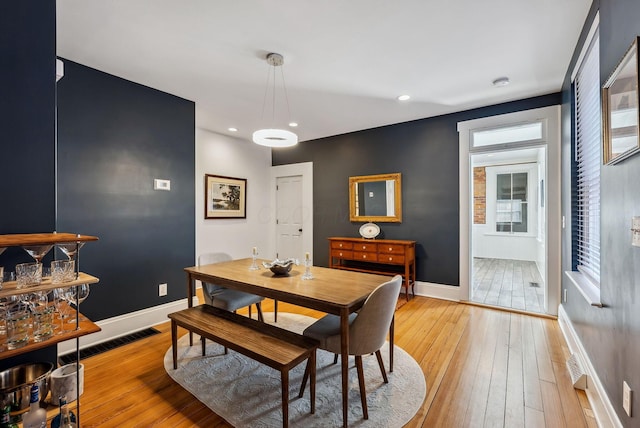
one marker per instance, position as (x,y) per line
(289,217)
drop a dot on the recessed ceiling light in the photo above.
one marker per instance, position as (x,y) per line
(233,129)
(404,97)
(293,124)
(501,81)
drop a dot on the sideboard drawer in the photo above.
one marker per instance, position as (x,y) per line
(391,249)
(342,254)
(367,247)
(392,259)
(369,257)
(341,245)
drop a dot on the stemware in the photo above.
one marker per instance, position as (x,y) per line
(59,300)
(37,251)
(70,249)
(76,295)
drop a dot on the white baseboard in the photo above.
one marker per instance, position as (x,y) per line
(125,324)
(438,291)
(600,403)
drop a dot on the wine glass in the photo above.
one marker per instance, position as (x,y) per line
(76,295)
(59,298)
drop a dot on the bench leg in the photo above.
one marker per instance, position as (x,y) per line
(391,338)
(174,343)
(285,397)
(275,311)
(204,345)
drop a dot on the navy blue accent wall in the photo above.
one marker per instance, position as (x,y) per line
(610,335)
(426,153)
(27,130)
(114,138)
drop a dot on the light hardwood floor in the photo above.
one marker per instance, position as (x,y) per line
(483,367)
(515,284)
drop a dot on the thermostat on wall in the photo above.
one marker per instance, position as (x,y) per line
(159,184)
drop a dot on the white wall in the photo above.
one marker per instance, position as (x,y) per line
(222,155)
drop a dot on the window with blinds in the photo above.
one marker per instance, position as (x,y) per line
(588,160)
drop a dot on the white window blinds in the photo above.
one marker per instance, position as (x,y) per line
(588,160)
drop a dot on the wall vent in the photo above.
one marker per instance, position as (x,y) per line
(577,373)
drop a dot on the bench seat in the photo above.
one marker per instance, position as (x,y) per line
(275,347)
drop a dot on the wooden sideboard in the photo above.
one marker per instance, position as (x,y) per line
(390,256)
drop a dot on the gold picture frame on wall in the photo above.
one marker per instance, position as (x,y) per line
(225,197)
(620,114)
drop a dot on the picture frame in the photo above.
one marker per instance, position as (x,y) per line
(620,113)
(224,197)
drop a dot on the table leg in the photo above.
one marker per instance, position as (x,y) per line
(174,343)
(190,301)
(344,353)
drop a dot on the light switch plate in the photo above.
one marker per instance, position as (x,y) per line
(635,231)
(160,184)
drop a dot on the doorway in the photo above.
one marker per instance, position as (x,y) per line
(508,233)
(510,210)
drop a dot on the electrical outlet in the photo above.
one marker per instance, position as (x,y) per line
(626,398)
(162,289)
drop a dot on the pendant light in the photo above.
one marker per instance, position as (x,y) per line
(272,136)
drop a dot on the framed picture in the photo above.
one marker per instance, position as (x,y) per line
(620,109)
(225,197)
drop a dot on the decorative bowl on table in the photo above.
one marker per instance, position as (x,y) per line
(280,267)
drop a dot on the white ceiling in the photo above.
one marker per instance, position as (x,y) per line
(345,61)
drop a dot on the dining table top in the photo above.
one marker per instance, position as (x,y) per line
(330,289)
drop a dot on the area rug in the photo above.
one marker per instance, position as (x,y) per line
(247,394)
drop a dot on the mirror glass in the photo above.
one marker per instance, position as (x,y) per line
(375,198)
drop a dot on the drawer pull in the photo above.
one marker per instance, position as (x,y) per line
(364,257)
(340,254)
(390,248)
(390,259)
(340,247)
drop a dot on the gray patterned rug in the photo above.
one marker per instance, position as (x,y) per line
(247,394)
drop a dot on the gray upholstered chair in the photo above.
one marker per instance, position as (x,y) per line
(367,330)
(226,298)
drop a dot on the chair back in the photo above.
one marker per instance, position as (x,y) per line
(207,259)
(368,332)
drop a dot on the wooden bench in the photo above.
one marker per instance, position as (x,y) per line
(275,347)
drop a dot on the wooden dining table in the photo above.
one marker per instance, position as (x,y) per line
(332,291)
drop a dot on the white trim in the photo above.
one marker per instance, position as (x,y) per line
(125,324)
(437,291)
(602,408)
(305,169)
(585,46)
(587,289)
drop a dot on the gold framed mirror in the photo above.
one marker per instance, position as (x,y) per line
(376,198)
(620,109)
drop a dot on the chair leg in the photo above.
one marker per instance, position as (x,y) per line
(363,392)
(303,385)
(204,345)
(381,364)
(275,311)
(259,308)
(284,375)
(335,358)
(249,311)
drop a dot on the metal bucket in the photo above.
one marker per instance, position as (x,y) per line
(16,383)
